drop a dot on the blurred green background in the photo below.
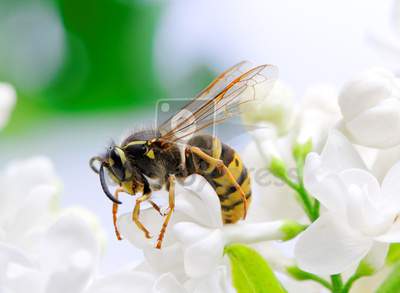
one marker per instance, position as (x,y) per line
(78,57)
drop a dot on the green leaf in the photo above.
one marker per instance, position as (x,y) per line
(365,269)
(392,282)
(250,272)
(393,255)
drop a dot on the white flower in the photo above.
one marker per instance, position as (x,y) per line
(67,258)
(139,279)
(319,113)
(385,159)
(196,237)
(44,249)
(360,216)
(29,197)
(276,109)
(204,236)
(370,107)
(7,102)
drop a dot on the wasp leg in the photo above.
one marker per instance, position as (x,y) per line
(115,212)
(135,214)
(156,207)
(171,206)
(220,165)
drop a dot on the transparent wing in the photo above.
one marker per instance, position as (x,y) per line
(221,100)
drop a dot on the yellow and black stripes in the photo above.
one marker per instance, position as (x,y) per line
(231,199)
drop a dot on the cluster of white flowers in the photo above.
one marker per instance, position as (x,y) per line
(314,182)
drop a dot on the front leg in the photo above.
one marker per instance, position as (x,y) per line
(115,212)
(171,206)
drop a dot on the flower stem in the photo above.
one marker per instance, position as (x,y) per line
(311,211)
(303,196)
(350,282)
(321,281)
(337,283)
(300,275)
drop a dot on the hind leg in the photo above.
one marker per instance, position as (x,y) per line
(217,163)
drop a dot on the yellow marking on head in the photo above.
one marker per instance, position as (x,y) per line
(121,154)
(135,142)
(150,154)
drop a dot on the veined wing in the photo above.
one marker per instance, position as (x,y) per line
(221,100)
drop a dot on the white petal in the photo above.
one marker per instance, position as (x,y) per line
(392,235)
(377,255)
(365,181)
(33,172)
(362,93)
(384,161)
(70,254)
(167,259)
(198,200)
(253,232)
(19,278)
(339,154)
(217,281)
(362,215)
(323,185)
(152,220)
(35,211)
(329,246)
(391,188)
(167,283)
(123,282)
(205,255)
(12,255)
(363,200)
(92,220)
(189,232)
(370,128)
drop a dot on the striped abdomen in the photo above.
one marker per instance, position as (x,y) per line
(232,205)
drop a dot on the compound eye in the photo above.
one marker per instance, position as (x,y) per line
(118,172)
(117,166)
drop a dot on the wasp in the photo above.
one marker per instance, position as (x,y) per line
(153,159)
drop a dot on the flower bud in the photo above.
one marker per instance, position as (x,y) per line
(276,108)
(319,113)
(370,105)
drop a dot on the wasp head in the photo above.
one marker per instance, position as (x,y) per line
(118,167)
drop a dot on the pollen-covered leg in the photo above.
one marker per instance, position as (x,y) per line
(135,214)
(217,163)
(171,206)
(115,213)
